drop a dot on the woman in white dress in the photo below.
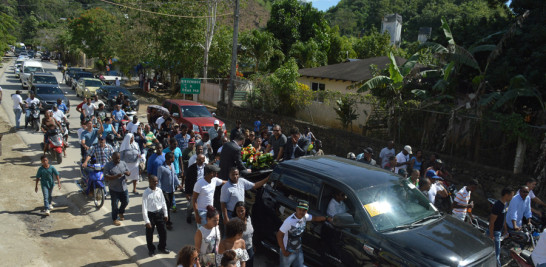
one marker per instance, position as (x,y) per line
(130,153)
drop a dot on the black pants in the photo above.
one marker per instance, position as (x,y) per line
(169,202)
(157,221)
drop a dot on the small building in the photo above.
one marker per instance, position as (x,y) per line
(424,34)
(341,77)
(393,24)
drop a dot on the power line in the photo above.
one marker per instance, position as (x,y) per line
(163,14)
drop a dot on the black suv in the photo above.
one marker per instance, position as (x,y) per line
(389,221)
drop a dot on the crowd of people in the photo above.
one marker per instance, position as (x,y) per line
(174,158)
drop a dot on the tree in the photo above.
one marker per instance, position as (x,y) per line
(293,21)
(260,46)
(340,48)
(372,45)
(346,111)
(388,89)
(95,32)
(308,54)
(30,28)
(6,28)
(280,92)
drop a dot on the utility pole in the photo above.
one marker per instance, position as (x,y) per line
(233,74)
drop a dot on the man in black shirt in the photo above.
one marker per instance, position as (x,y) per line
(496,220)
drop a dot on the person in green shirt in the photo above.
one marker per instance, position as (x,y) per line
(150,136)
(45,176)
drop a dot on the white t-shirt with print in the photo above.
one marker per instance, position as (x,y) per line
(293,229)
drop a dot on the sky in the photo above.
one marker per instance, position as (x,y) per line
(323,5)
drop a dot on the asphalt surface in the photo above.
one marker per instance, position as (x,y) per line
(130,237)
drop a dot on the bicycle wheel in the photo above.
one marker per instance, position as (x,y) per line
(99,197)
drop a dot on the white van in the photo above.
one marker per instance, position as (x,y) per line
(18,64)
(27,68)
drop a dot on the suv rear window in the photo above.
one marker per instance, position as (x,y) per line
(44,80)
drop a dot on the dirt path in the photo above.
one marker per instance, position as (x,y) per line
(66,238)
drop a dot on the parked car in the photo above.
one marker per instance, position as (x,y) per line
(42,78)
(77,76)
(48,95)
(194,114)
(109,77)
(18,64)
(388,222)
(87,87)
(69,73)
(29,67)
(108,94)
(45,57)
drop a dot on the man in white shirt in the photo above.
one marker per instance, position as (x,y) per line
(539,253)
(88,108)
(337,204)
(198,150)
(154,213)
(117,82)
(96,101)
(402,160)
(17,107)
(132,126)
(462,203)
(386,153)
(58,114)
(29,101)
(203,193)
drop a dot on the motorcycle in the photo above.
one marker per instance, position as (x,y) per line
(527,239)
(55,145)
(92,182)
(34,118)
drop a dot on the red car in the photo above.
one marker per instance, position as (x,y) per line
(194,114)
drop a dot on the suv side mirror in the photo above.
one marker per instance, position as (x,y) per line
(176,115)
(344,220)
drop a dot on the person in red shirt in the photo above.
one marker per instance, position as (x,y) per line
(79,109)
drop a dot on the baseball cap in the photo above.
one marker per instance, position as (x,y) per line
(216,122)
(368,150)
(303,204)
(192,141)
(473,182)
(212,168)
(430,174)
(408,149)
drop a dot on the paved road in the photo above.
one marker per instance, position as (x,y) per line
(130,236)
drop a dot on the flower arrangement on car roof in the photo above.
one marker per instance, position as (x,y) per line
(256,160)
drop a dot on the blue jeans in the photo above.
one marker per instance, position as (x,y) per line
(117,197)
(497,235)
(294,259)
(203,215)
(48,196)
(116,126)
(18,113)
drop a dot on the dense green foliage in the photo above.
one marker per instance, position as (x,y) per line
(470,19)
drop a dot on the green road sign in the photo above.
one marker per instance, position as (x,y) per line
(190,86)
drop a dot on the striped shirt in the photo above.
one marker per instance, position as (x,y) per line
(462,197)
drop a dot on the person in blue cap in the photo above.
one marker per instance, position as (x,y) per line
(436,187)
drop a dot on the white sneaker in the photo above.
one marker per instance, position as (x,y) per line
(47,212)
(50,206)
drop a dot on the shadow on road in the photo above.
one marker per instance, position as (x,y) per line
(110,263)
